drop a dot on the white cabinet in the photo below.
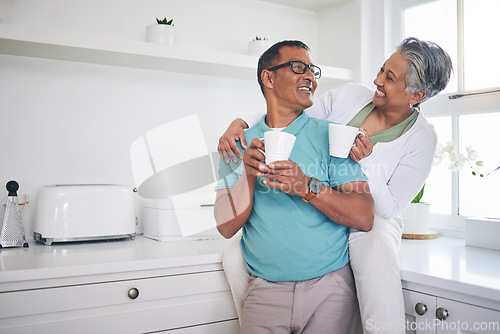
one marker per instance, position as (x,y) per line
(181,302)
(419,310)
(465,318)
(446,275)
(132,286)
(432,314)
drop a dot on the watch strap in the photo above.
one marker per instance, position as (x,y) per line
(311,193)
(309,196)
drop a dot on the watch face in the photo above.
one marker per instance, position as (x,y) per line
(315,186)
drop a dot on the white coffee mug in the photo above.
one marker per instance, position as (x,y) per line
(278,145)
(341,139)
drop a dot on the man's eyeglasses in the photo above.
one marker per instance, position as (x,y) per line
(299,67)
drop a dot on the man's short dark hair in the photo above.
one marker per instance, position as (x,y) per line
(271,55)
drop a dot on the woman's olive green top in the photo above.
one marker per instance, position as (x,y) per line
(386,135)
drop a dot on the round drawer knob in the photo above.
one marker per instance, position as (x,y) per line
(420,308)
(133,293)
(442,313)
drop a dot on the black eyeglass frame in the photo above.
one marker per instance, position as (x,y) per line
(290,63)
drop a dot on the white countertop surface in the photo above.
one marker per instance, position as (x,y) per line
(444,263)
(447,263)
(94,258)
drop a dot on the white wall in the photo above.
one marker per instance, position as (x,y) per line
(221,25)
(353,35)
(374,46)
(340,32)
(66,122)
(74,123)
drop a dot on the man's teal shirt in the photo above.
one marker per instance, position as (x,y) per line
(285,238)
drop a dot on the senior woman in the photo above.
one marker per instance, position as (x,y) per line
(396,155)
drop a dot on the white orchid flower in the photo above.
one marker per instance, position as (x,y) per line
(437,159)
(471,153)
(457,157)
(450,148)
(439,149)
(457,160)
(456,165)
(439,155)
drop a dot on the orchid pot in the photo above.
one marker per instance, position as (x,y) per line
(416,218)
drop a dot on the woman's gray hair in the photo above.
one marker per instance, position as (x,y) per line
(429,68)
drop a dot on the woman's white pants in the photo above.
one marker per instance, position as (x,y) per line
(374,262)
(375,265)
(236,272)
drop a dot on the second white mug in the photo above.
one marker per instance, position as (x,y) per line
(341,139)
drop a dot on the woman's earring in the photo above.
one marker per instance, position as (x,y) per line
(411,106)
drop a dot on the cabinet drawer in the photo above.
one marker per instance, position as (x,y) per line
(209,313)
(67,298)
(420,311)
(224,327)
(465,318)
(458,317)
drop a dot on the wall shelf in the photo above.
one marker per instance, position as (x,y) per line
(19,41)
(314,5)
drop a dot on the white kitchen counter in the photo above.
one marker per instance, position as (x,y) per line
(443,263)
(126,286)
(447,264)
(27,267)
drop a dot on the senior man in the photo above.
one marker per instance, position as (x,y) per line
(294,214)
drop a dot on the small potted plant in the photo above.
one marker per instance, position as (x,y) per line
(162,32)
(258,45)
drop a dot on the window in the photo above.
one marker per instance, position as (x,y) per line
(478,196)
(435,21)
(481,49)
(466,30)
(439,183)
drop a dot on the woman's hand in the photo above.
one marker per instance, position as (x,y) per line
(227,143)
(363,147)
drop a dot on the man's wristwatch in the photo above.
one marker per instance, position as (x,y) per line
(315,187)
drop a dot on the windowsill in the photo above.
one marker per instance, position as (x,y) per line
(452,226)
